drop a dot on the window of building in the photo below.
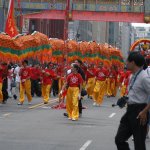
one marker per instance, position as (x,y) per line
(107,1)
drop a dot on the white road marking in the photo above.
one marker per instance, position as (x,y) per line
(112,115)
(46,107)
(86,145)
(5,115)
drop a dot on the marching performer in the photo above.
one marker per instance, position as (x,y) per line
(74,84)
(47,77)
(90,77)
(1,83)
(25,84)
(125,77)
(100,86)
(112,84)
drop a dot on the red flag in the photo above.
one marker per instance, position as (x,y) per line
(10,27)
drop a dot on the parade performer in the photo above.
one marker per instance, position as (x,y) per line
(35,78)
(100,86)
(4,85)
(62,94)
(74,84)
(1,83)
(47,78)
(125,77)
(112,77)
(90,78)
(25,84)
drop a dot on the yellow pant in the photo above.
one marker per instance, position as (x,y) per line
(112,88)
(1,94)
(90,86)
(60,84)
(123,90)
(25,87)
(108,86)
(99,91)
(72,102)
(46,92)
(115,89)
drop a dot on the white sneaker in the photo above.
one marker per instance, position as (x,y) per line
(20,103)
(94,104)
(29,103)
(69,118)
(73,119)
(98,105)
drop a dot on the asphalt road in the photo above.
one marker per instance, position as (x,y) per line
(39,127)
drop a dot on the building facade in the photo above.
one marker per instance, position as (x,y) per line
(124,38)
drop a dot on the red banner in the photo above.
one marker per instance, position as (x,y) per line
(10,27)
(90,16)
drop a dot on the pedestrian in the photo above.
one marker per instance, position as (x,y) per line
(134,121)
(148,71)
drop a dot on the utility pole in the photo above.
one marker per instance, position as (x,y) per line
(67,17)
(3,4)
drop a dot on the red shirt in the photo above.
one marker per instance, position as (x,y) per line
(89,75)
(101,74)
(47,79)
(35,73)
(113,74)
(1,75)
(4,71)
(60,70)
(127,78)
(121,76)
(25,73)
(74,80)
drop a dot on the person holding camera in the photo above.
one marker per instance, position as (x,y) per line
(134,121)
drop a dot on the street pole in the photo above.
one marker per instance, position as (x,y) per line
(3,3)
(66,21)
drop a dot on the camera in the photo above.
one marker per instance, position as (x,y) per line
(121,102)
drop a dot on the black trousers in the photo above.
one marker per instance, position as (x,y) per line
(35,88)
(55,88)
(130,125)
(4,90)
(80,106)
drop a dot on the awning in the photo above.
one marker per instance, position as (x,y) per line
(49,14)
